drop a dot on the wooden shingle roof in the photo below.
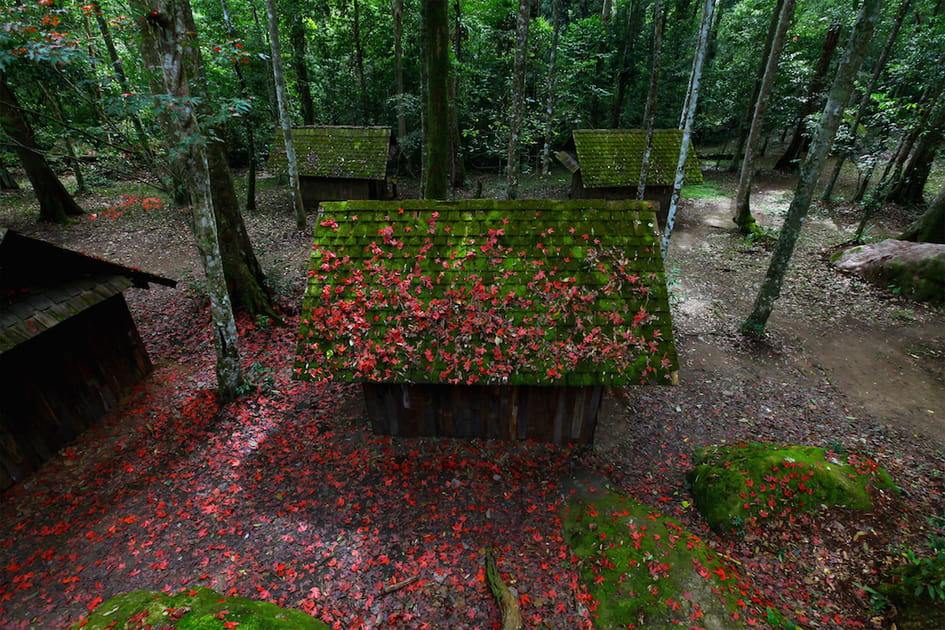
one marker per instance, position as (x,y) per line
(338,152)
(42,285)
(613,157)
(487,292)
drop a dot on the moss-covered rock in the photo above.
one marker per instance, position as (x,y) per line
(738,484)
(196,609)
(646,571)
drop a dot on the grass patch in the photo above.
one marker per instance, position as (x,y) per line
(705,190)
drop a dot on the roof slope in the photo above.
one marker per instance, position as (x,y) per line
(341,152)
(487,292)
(42,285)
(613,157)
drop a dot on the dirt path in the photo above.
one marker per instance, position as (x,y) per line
(885,354)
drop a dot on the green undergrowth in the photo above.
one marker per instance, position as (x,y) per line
(741,484)
(196,609)
(915,590)
(645,570)
(705,190)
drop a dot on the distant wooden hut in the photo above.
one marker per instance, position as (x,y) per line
(337,163)
(491,319)
(69,348)
(606,163)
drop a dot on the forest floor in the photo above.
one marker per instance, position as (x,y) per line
(285,495)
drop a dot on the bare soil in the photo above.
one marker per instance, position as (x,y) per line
(845,365)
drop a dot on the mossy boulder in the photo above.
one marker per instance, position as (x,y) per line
(739,484)
(646,571)
(196,609)
(916,270)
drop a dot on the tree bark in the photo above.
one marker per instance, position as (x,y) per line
(250,127)
(743,218)
(743,130)
(812,167)
(359,61)
(517,113)
(788,161)
(626,65)
(457,167)
(398,17)
(165,30)
(284,120)
(303,86)
(649,111)
(56,205)
(550,90)
(930,227)
(861,109)
(6,180)
(909,187)
(688,116)
(436,101)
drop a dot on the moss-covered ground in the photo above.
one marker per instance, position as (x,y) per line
(739,484)
(646,571)
(195,609)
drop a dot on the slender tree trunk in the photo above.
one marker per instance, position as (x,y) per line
(250,126)
(7,182)
(517,114)
(812,167)
(692,101)
(303,85)
(436,133)
(398,15)
(649,111)
(743,218)
(743,129)
(359,61)
(861,109)
(550,89)
(457,167)
(626,65)
(930,227)
(164,28)
(56,205)
(284,120)
(788,161)
(908,188)
(121,78)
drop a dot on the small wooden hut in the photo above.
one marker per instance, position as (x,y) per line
(69,348)
(490,319)
(337,163)
(606,163)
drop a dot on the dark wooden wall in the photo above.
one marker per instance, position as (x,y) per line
(562,415)
(661,195)
(318,189)
(63,381)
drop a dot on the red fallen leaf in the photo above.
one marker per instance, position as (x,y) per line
(94,603)
(228,625)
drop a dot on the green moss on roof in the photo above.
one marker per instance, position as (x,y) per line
(613,157)
(489,292)
(341,152)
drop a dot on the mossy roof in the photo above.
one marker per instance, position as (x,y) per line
(338,152)
(613,157)
(43,285)
(487,292)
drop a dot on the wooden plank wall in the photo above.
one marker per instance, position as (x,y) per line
(318,189)
(561,415)
(63,382)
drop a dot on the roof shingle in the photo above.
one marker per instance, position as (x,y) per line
(613,157)
(339,152)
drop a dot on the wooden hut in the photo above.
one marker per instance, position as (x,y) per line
(68,347)
(337,163)
(605,164)
(491,319)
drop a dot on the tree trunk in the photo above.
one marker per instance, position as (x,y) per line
(626,64)
(303,86)
(250,126)
(437,89)
(359,61)
(517,113)
(284,120)
(649,111)
(6,180)
(909,187)
(56,205)
(457,167)
(743,218)
(788,162)
(812,167)
(165,32)
(743,129)
(398,15)
(930,227)
(550,90)
(865,99)
(689,114)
